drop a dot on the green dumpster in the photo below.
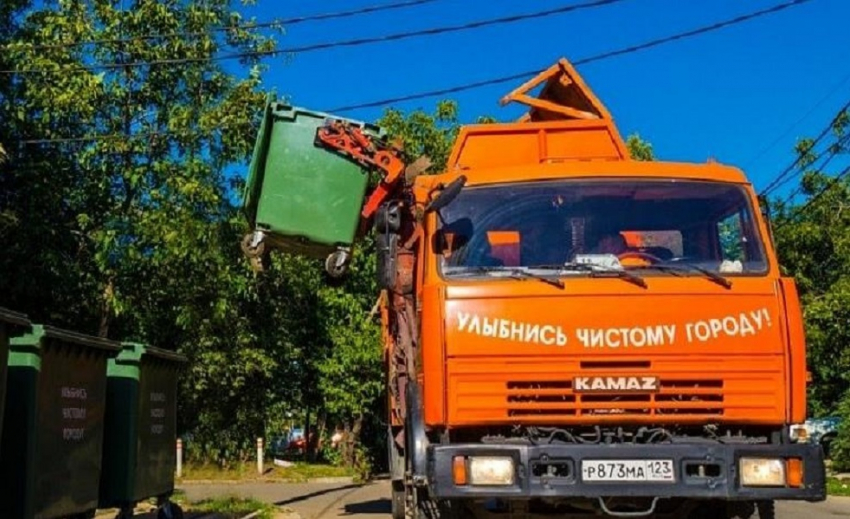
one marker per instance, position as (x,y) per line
(11,323)
(50,457)
(301,197)
(139,455)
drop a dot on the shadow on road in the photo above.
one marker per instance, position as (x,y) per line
(194,515)
(318,493)
(376,506)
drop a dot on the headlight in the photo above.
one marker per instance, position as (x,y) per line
(762,472)
(491,470)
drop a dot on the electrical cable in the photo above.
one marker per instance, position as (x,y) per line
(832,183)
(599,57)
(791,167)
(796,123)
(605,55)
(334,44)
(833,151)
(451,28)
(278,23)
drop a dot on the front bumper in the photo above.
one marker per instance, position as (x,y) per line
(718,479)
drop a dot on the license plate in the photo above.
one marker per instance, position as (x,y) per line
(628,470)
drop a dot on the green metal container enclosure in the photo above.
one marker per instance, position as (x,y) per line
(141,413)
(52,443)
(11,323)
(306,199)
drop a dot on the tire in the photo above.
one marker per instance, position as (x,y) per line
(169,511)
(398,500)
(766,509)
(741,510)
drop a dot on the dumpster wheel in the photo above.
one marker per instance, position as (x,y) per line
(253,245)
(336,264)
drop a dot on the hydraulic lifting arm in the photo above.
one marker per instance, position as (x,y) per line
(372,154)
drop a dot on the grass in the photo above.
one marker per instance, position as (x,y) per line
(248,472)
(838,487)
(234,507)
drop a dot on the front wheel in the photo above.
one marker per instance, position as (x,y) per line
(766,509)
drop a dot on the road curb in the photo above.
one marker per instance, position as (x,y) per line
(329,480)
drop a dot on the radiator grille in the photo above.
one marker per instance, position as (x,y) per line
(691,389)
(691,397)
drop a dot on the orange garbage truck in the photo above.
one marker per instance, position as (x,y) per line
(566,330)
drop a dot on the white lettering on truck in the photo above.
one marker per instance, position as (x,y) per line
(509,329)
(742,324)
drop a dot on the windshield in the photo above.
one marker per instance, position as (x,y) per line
(647,225)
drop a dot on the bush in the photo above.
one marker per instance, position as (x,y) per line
(840,448)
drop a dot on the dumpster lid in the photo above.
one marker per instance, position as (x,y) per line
(15,318)
(133,352)
(43,331)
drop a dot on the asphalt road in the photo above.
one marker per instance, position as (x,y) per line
(343,501)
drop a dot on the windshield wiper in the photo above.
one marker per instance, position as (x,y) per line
(514,272)
(597,271)
(679,267)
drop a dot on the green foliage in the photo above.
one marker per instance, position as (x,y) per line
(814,247)
(425,134)
(840,448)
(127,230)
(235,506)
(813,241)
(639,149)
(838,487)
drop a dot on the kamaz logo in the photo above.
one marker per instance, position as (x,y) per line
(614,384)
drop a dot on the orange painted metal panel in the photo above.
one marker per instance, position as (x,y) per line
(694,389)
(489,146)
(577,321)
(607,169)
(796,351)
(433,355)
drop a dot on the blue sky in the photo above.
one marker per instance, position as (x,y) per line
(726,95)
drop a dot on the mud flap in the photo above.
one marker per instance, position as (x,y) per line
(417,441)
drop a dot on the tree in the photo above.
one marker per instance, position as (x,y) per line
(118,187)
(813,242)
(639,148)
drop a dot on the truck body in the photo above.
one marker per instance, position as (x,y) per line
(571,331)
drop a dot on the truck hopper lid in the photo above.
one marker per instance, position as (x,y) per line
(565,121)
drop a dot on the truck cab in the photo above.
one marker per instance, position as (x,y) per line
(591,333)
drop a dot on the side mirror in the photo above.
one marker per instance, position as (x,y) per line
(447,194)
(764,205)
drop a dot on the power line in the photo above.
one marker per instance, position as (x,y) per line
(344,43)
(833,150)
(277,23)
(793,125)
(589,59)
(583,61)
(781,178)
(832,183)
(346,14)
(452,28)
